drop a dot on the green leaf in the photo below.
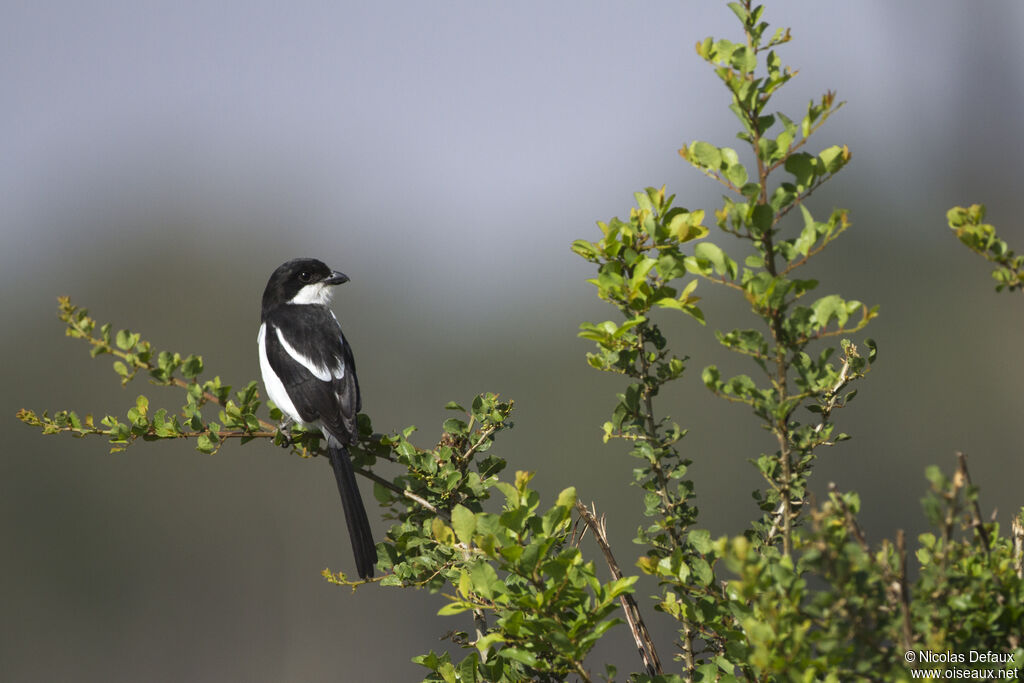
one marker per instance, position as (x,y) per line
(206,443)
(721,262)
(518,655)
(809,234)
(705,154)
(485,643)
(640,272)
(125,340)
(685,226)
(802,166)
(737,174)
(828,307)
(740,11)
(761,218)
(192,366)
(701,541)
(567,498)
(784,141)
(442,532)
(587,250)
(834,158)
(464,523)
(455,607)
(485,580)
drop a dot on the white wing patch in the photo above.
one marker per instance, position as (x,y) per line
(275,389)
(321,372)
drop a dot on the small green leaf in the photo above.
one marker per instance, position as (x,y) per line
(701,541)
(705,154)
(464,523)
(518,655)
(737,174)
(834,158)
(761,218)
(455,607)
(484,644)
(567,498)
(192,366)
(802,166)
(125,340)
(442,532)
(721,262)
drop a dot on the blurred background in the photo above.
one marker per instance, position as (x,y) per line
(160,159)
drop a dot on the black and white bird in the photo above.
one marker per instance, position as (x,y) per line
(309,373)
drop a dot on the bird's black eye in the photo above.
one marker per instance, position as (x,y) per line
(305,276)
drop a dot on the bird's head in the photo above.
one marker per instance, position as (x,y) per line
(301,281)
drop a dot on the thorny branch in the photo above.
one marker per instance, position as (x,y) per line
(644,644)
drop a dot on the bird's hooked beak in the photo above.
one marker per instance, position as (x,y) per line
(336,278)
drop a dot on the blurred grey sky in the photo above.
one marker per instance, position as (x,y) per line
(160,159)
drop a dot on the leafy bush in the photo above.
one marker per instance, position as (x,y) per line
(799,594)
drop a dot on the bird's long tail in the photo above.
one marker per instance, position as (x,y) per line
(355,514)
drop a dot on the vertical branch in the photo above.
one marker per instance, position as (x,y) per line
(976,521)
(774,317)
(652,429)
(1017,529)
(644,644)
(951,496)
(904,591)
(784,491)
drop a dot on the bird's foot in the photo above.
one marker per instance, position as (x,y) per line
(284,429)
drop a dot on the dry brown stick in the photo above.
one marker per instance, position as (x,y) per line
(976,521)
(644,644)
(908,634)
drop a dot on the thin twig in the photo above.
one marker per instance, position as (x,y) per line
(976,521)
(484,435)
(851,522)
(644,644)
(826,412)
(406,493)
(1017,529)
(583,674)
(904,591)
(652,429)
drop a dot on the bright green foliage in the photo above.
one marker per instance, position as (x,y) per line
(800,595)
(537,603)
(981,238)
(859,622)
(754,211)
(637,260)
(975,582)
(235,419)
(548,607)
(640,262)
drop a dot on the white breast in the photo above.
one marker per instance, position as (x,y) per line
(275,389)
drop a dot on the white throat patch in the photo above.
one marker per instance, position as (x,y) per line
(317,293)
